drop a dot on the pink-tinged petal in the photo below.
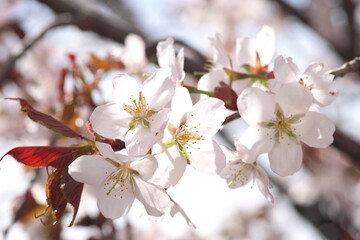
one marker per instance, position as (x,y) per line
(294,99)
(207,116)
(263,183)
(256,106)
(265,44)
(221,57)
(286,156)
(257,140)
(158,120)
(231,156)
(180,105)
(171,167)
(208,159)
(323,97)
(125,89)
(211,80)
(90,169)
(285,70)
(245,52)
(158,89)
(316,77)
(237,174)
(110,121)
(145,166)
(117,202)
(156,201)
(315,130)
(140,140)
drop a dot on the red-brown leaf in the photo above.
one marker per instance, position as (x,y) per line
(61,190)
(58,157)
(46,120)
(54,196)
(72,191)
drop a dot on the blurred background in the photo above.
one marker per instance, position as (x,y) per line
(60,55)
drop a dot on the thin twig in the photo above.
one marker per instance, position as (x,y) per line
(351,66)
(9,65)
(232,117)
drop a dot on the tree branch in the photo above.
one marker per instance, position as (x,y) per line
(343,52)
(351,66)
(9,65)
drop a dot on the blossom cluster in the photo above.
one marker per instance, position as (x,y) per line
(164,130)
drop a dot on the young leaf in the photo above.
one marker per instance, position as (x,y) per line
(72,191)
(54,196)
(61,190)
(46,120)
(58,157)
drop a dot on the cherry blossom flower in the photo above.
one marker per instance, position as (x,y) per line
(133,55)
(278,123)
(138,114)
(239,173)
(167,58)
(119,180)
(187,138)
(252,56)
(314,78)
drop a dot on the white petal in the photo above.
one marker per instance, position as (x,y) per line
(208,159)
(256,106)
(134,53)
(239,85)
(263,183)
(207,116)
(323,97)
(286,156)
(315,129)
(294,99)
(211,80)
(258,140)
(315,76)
(155,199)
(117,202)
(265,44)
(110,121)
(145,166)
(171,168)
(125,88)
(285,70)
(221,57)
(106,151)
(176,208)
(245,51)
(140,140)
(165,53)
(180,105)
(90,169)
(158,120)
(158,89)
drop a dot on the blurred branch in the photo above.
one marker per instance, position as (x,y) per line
(347,145)
(344,51)
(87,18)
(351,66)
(117,29)
(9,65)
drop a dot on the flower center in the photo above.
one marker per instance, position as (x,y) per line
(184,137)
(240,174)
(140,112)
(121,178)
(282,125)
